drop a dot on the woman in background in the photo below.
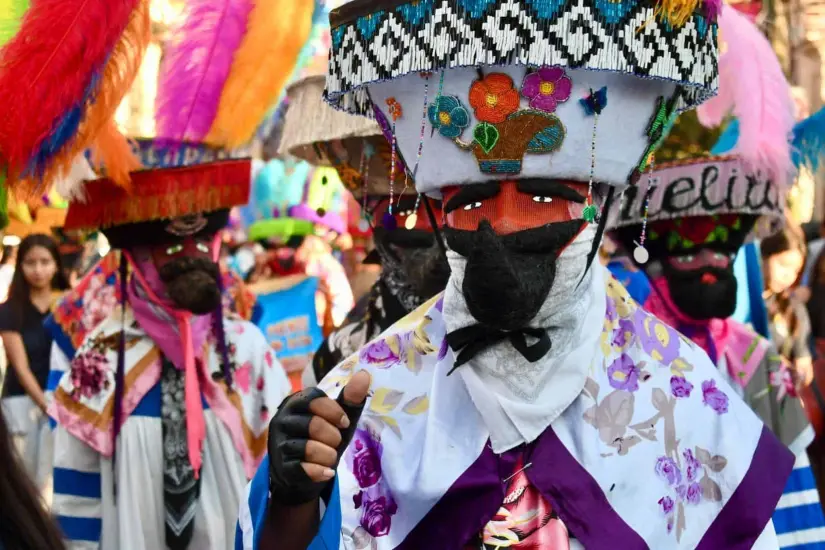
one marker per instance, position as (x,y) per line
(24,523)
(37,276)
(783,258)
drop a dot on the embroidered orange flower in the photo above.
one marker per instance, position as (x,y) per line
(494,98)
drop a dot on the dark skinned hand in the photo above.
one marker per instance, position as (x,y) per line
(307,437)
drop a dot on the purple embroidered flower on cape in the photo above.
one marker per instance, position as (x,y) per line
(680,387)
(377,508)
(365,459)
(658,340)
(693,494)
(610,313)
(384,352)
(667,504)
(623,335)
(667,469)
(692,465)
(89,374)
(713,397)
(624,374)
(546,88)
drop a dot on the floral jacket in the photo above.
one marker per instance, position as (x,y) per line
(656,452)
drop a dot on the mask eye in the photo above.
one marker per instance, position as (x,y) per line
(539,198)
(685,259)
(203,248)
(472,206)
(720,256)
(172,250)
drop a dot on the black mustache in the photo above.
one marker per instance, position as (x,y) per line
(182,266)
(405,238)
(547,238)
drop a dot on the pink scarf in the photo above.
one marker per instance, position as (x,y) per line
(742,348)
(180,337)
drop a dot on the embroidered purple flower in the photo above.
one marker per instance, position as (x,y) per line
(624,374)
(693,495)
(89,374)
(623,335)
(442,352)
(667,469)
(658,340)
(365,460)
(546,88)
(377,508)
(384,352)
(667,505)
(713,397)
(376,517)
(692,465)
(680,387)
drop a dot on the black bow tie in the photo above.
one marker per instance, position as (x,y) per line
(472,340)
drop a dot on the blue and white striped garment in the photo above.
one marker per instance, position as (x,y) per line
(253,512)
(799,521)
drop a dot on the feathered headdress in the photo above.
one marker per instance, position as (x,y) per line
(809,141)
(66,74)
(226,65)
(753,88)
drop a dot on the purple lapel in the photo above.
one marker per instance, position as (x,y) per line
(468,505)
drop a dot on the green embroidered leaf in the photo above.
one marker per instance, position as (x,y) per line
(711,237)
(722,233)
(653,236)
(687,243)
(486,135)
(737,224)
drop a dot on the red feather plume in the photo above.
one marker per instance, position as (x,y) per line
(49,74)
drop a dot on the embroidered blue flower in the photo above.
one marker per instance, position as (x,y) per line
(448,116)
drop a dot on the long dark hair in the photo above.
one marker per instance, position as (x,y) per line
(784,304)
(19,291)
(24,522)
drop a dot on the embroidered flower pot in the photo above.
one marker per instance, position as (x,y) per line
(499,148)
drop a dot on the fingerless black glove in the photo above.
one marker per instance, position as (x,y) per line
(289,484)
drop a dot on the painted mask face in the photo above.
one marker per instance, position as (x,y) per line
(190,273)
(511,234)
(697,256)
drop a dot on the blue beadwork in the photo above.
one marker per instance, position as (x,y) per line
(368,24)
(338,36)
(417,11)
(614,12)
(546,9)
(701,25)
(475,8)
(500,166)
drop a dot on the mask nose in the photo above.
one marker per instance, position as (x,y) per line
(506,226)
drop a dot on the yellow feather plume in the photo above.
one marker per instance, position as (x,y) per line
(676,12)
(278,30)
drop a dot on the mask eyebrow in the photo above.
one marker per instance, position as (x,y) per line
(472,193)
(548,188)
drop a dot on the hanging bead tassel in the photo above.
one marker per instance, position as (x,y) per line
(593,105)
(640,253)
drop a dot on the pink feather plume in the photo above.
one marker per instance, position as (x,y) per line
(196,64)
(753,88)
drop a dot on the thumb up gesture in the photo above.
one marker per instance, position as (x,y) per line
(307,437)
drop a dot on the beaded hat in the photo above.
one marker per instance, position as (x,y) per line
(516,88)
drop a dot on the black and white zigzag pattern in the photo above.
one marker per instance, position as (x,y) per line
(511,32)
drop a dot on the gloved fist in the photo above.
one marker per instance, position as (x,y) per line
(307,437)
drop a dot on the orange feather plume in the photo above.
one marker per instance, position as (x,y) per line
(265,60)
(98,129)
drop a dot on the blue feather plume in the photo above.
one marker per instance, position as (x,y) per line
(808,144)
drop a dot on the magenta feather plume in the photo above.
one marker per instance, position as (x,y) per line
(753,88)
(196,63)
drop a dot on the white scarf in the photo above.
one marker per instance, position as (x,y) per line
(517,399)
